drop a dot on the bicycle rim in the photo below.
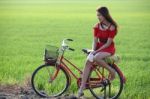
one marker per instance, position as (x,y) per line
(44,83)
(104,90)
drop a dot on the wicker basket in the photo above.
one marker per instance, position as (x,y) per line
(51,54)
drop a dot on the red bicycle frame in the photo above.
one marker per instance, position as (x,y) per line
(64,61)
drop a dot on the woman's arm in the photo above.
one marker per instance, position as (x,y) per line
(95,40)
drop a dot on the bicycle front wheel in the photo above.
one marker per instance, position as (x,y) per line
(50,81)
(103,89)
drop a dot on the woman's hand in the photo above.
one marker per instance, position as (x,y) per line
(93,52)
(107,44)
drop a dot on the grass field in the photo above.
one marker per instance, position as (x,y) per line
(26,26)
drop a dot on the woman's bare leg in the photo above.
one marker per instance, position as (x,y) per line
(99,60)
(85,75)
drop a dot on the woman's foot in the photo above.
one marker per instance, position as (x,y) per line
(112,75)
(80,93)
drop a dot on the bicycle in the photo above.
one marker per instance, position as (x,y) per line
(53,78)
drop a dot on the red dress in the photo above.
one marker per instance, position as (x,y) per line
(103,36)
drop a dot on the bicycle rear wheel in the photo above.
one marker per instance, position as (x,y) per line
(105,89)
(45,84)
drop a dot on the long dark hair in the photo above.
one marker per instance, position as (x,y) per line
(105,13)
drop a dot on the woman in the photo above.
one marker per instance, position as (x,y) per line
(103,45)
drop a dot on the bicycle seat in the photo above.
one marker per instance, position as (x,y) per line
(113,59)
(110,60)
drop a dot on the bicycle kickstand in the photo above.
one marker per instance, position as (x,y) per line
(104,92)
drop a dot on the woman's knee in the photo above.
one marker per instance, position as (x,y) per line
(97,57)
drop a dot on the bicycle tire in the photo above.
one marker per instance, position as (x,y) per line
(120,88)
(39,92)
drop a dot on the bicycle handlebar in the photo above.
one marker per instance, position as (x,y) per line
(69,39)
(65,45)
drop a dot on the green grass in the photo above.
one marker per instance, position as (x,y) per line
(26,26)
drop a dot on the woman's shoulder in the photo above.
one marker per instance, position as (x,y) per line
(112,27)
(96,25)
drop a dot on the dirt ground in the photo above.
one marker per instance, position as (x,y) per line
(24,92)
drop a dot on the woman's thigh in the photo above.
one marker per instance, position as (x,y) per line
(101,55)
